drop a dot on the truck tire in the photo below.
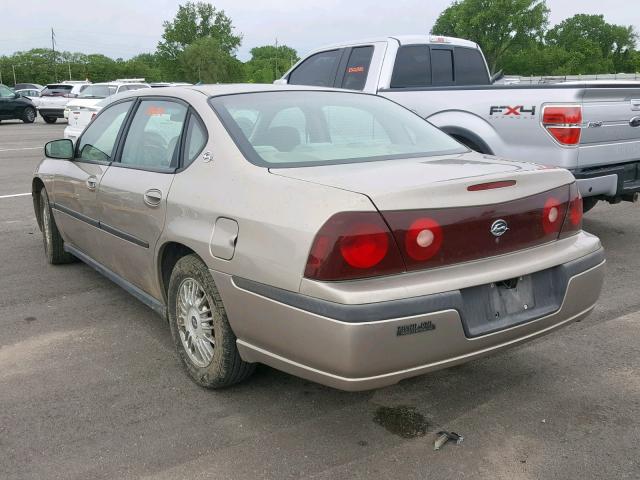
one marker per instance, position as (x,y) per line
(588,203)
(204,340)
(50,119)
(29,115)
(53,242)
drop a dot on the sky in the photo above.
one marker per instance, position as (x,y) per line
(124,28)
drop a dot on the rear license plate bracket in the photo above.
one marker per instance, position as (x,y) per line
(512,296)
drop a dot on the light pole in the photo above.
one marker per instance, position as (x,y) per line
(13,67)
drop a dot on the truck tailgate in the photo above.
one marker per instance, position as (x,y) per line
(609,136)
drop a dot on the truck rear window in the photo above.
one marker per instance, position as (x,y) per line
(412,67)
(470,67)
(442,66)
(319,70)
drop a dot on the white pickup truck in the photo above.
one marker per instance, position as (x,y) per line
(592,129)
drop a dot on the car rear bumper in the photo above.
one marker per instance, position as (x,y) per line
(360,347)
(51,112)
(609,181)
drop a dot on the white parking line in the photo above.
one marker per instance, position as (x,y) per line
(15,195)
(17,149)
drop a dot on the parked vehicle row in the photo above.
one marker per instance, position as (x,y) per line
(591,129)
(334,235)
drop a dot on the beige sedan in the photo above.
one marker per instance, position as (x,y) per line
(333,235)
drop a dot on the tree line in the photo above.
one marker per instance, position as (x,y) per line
(200,43)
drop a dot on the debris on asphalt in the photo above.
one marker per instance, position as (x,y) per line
(444,437)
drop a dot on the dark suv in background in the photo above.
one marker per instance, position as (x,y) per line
(15,107)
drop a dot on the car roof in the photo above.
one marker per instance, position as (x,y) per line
(406,40)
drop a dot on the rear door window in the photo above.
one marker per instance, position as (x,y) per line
(470,67)
(153,139)
(442,66)
(412,67)
(355,75)
(319,69)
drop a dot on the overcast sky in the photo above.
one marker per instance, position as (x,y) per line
(124,28)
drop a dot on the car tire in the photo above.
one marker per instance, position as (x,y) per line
(50,119)
(29,115)
(204,340)
(588,203)
(53,242)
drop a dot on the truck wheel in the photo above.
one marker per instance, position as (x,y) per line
(53,242)
(29,115)
(200,329)
(588,203)
(50,119)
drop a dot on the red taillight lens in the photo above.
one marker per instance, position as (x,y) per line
(573,221)
(353,245)
(563,122)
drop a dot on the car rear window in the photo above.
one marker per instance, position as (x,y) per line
(98,91)
(305,128)
(56,90)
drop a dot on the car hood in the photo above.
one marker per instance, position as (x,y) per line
(433,182)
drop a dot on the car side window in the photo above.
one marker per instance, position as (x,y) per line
(355,76)
(5,92)
(412,67)
(195,140)
(319,69)
(98,141)
(153,139)
(442,66)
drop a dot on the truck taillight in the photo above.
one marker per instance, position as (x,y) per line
(563,122)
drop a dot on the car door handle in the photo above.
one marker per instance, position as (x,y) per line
(153,197)
(92,182)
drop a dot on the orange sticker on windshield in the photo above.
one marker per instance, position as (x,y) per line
(153,111)
(355,69)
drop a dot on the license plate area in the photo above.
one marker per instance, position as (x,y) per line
(512,296)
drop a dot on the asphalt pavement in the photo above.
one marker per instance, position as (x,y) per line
(90,387)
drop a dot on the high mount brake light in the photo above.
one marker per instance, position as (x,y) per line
(563,122)
(352,245)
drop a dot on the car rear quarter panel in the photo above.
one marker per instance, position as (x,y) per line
(277,217)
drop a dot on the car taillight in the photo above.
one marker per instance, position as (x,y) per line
(573,220)
(353,245)
(563,122)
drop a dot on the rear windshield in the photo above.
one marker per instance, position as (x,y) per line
(305,128)
(56,90)
(97,91)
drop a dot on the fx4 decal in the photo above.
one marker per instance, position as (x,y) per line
(517,111)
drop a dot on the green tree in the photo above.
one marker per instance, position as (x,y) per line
(597,46)
(268,63)
(498,26)
(206,61)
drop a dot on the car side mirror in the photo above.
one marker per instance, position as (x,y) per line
(60,149)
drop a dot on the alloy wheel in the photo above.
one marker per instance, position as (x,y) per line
(194,317)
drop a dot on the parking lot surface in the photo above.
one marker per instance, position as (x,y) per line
(90,387)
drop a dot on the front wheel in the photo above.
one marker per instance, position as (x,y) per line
(50,119)
(200,328)
(29,115)
(53,242)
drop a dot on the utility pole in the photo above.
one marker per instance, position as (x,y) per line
(0,77)
(276,72)
(69,71)
(13,67)
(53,49)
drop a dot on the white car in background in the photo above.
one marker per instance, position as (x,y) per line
(55,96)
(81,110)
(30,93)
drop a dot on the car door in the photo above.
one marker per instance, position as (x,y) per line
(6,102)
(76,183)
(133,192)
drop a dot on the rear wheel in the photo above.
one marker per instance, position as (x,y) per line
(29,115)
(53,242)
(50,119)
(200,329)
(588,203)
